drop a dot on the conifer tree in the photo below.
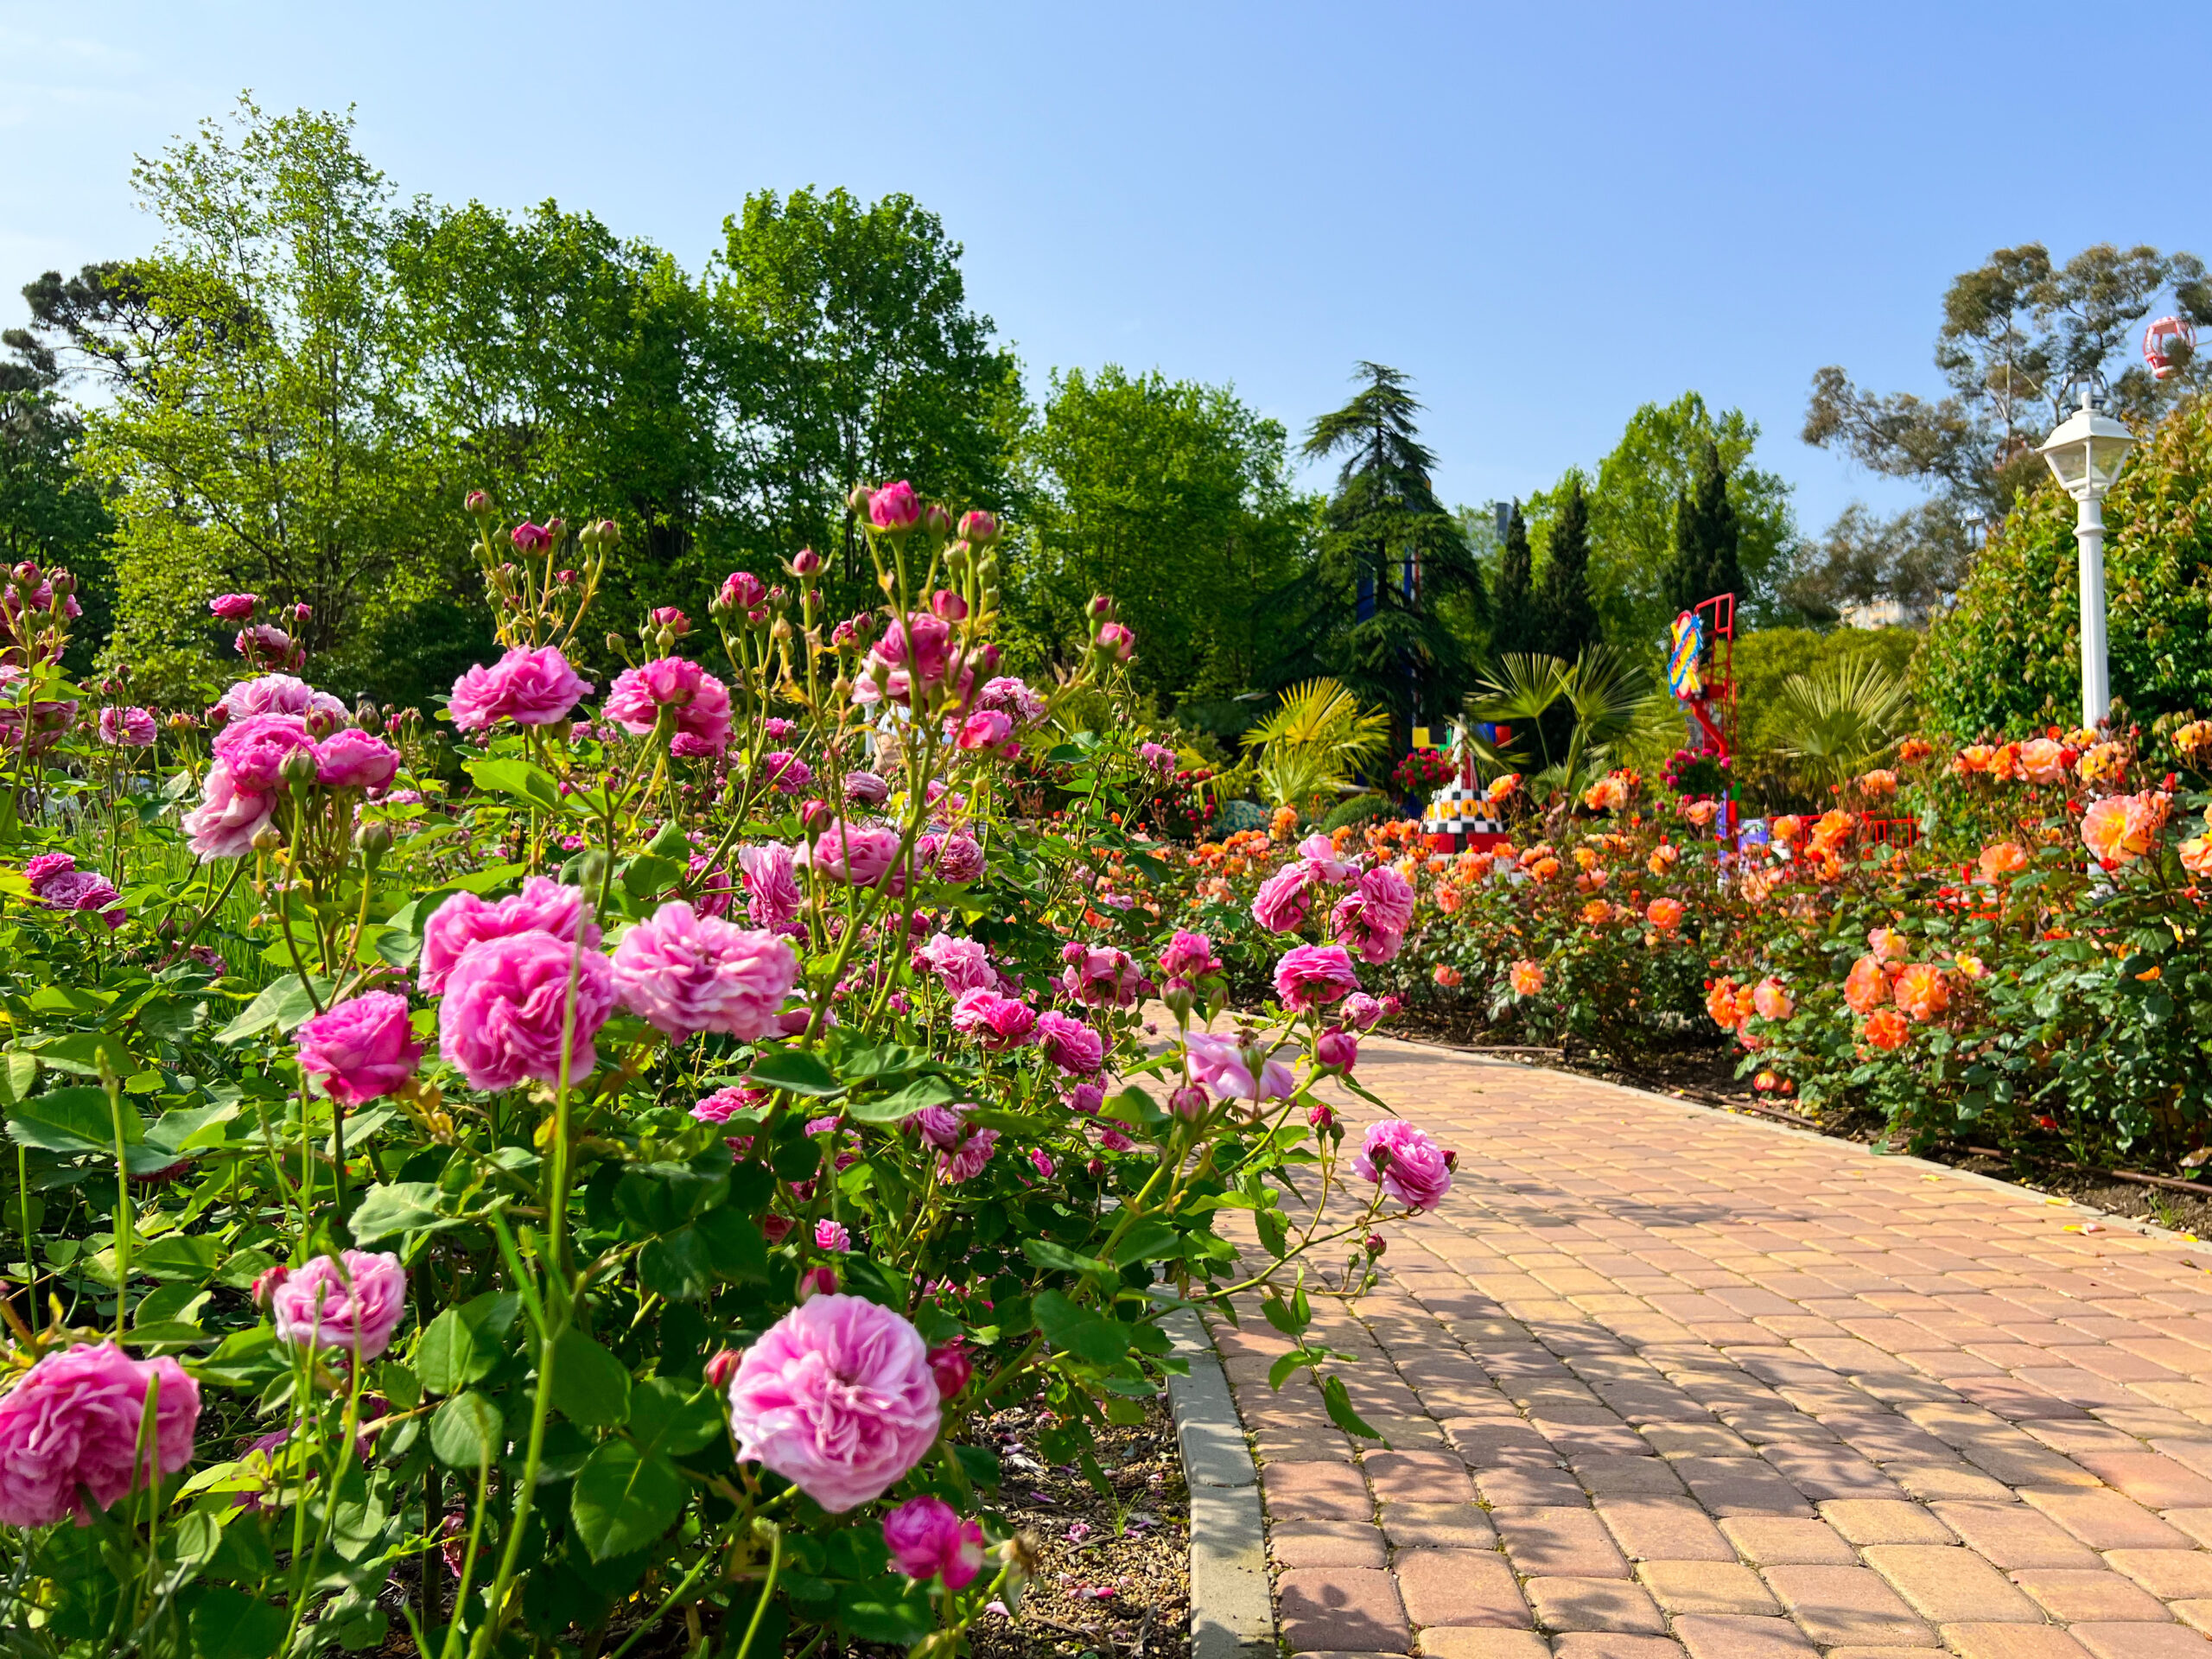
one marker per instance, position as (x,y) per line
(1512,606)
(1706,554)
(1566,615)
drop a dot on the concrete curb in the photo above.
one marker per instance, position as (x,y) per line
(1232,1611)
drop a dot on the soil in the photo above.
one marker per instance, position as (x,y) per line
(1707,1077)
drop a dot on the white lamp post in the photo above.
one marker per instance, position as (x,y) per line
(2086,452)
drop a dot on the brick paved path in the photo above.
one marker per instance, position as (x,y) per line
(1657,1380)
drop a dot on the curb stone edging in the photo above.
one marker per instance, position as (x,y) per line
(1232,1611)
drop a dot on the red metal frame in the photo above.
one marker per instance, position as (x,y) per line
(1720,673)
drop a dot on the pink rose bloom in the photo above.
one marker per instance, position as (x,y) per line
(1085,1097)
(837,1398)
(229,816)
(894,507)
(1320,856)
(955,858)
(1337,1048)
(263,639)
(986,729)
(784,772)
(960,964)
(531,687)
(919,647)
(701,701)
(232,608)
(743,591)
(1100,977)
(725,1104)
(858,856)
(832,1236)
(941,1127)
(1310,976)
(86,890)
(352,1301)
(127,729)
(1012,696)
(965,1161)
(1361,1012)
(772,898)
(278,693)
(255,749)
(686,973)
(502,1017)
(1284,899)
(1373,918)
(46,867)
(1069,1044)
(1410,1166)
(1237,1073)
(1115,640)
(998,1022)
(1188,958)
(352,759)
(866,789)
(74,1422)
(544,905)
(1158,757)
(363,1049)
(927,1539)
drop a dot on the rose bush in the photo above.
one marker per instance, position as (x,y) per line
(497,1181)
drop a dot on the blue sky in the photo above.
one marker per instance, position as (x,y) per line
(1547,214)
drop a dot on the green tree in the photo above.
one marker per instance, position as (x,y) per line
(1566,615)
(1397,591)
(258,430)
(50,512)
(1705,561)
(1513,622)
(1173,497)
(850,355)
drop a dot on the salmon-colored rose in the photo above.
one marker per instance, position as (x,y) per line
(1596,913)
(2005,764)
(2042,760)
(2001,859)
(1501,787)
(1970,965)
(2121,828)
(1974,758)
(1445,975)
(1701,813)
(1922,991)
(1528,977)
(1867,986)
(1914,748)
(1830,831)
(2196,855)
(1888,945)
(1663,858)
(1877,783)
(1787,828)
(1720,1003)
(1665,914)
(1886,1029)
(1771,999)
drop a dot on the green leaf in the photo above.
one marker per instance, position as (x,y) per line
(463,1343)
(532,784)
(465,1431)
(75,1119)
(81,1054)
(623,1500)
(1148,1240)
(667,1420)
(188,1258)
(676,1265)
(931,1090)
(872,1613)
(1285,1366)
(1081,1332)
(795,1071)
(590,1386)
(282,1004)
(228,1624)
(400,1207)
(1339,1404)
(644,875)
(1057,1258)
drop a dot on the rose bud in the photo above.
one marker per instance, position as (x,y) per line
(265,1284)
(478,502)
(1321,1117)
(979,527)
(1190,1101)
(1375,1244)
(937,521)
(817,1282)
(947,606)
(1337,1049)
(806,562)
(951,1367)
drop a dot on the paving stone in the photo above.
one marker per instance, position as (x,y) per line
(1878,1521)
(1482,1642)
(1341,1610)
(1837,1604)
(1706,1587)
(2141,1641)
(1564,1603)
(1950,1585)
(2011,1535)
(1314,1491)
(1613,1644)
(1459,1586)
(2105,1520)
(2083,1595)
(2009,1642)
(1326,1543)
(1558,1542)
(1713,1636)
(1769,1541)
(2169,1574)
(1438,1525)
(1663,1529)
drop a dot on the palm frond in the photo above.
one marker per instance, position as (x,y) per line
(1840,719)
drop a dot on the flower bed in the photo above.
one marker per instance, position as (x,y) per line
(598,1174)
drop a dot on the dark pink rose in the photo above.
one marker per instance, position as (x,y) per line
(1309,977)
(75,1421)
(234,607)
(353,1301)
(685,973)
(1409,1166)
(543,905)
(531,687)
(998,1022)
(351,759)
(501,1021)
(363,1048)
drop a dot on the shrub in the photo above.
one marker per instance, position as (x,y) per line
(1359,809)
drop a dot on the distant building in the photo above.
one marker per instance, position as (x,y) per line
(1877,614)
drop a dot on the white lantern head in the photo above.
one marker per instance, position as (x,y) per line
(2087,450)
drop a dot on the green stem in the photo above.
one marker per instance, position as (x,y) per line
(122,1200)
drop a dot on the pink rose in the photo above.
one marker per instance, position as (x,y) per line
(1337,1049)
(895,507)
(544,905)
(725,1104)
(951,1367)
(701,701)
(866,789)
(363,1048)
(502,1017)
(127,729)
(1117,641)
(998,1022)
(960,964)
(965,1161)
(74,1422)
(352,759)
(1101,977)
(1319,853)
(1191,1102)
(278,693)
(43,868)
(837,1398)
(256,748)
(263,642)
(784,772)
(927,1539)
(228,817)
(1012,696)
(1236,1072)
(86,890)
(531,687)
(530,538)
(1374,918)
(686,973)
(1069,1044)
(743,591)
(1188,958)
(232,608)
(986,729)
(832,1236)
(352,1301)
(941,1127)
(1310,976)
(858,856)
(772,898)
(1284,899)
(1412,1168)
(1361,1012)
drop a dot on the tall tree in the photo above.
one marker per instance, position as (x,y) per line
(1705,561)
(1393,565)
(1513,623)
(1176,499)
(50,513)
(1566,615)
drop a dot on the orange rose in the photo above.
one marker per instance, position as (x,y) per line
(1914,748)
(1970,965)
(1720,1003)
(2098,762)
(1831,831)
(1596,913)
(1756,886)
(1543,869)
(2043,761)
(1746,1006)
(2196,855)
(1663,858)
(1877,783)
(1528,978)
(1501,787)
(2002,859)
(1448,899)
(1866,986)
(1971,760)
(1770,1000)
(1886,1029)
(2194,738)
(1446,976)
(1665,914)
(2005,764)
(1887,944)
(1701,813)
(2120,828)
(1787,828)
(1922,991)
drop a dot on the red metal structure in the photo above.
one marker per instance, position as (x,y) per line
(1713,708)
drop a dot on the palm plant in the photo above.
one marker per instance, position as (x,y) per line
(1840,719)
(1308,746)
(1594,699)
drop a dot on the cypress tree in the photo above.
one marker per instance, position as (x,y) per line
(1567,616)
(1512,613)
(1705,561)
